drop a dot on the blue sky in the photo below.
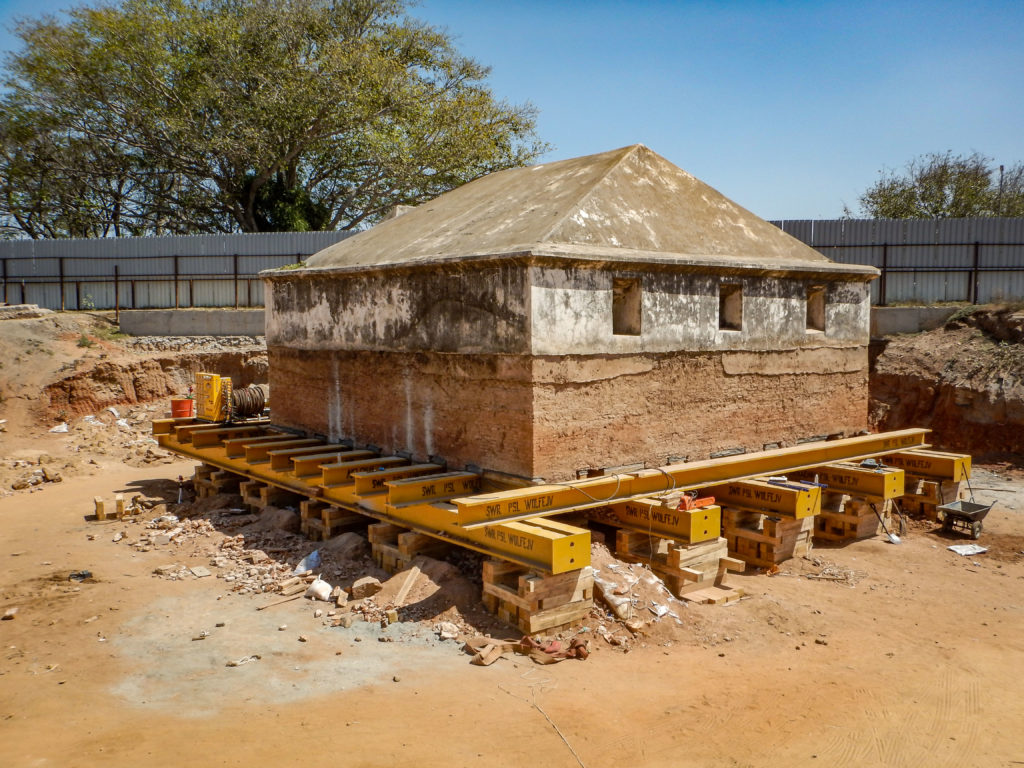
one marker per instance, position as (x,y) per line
(789,108)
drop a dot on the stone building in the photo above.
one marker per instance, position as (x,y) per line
(545,322)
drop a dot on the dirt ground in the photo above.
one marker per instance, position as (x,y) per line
(911,655)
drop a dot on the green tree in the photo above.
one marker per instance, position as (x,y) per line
(944,185)
(182,116)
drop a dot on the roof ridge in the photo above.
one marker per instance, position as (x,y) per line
(629,150)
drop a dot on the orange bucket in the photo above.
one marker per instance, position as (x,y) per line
(181,407)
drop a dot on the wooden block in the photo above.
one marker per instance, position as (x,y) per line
(388,557)
(311,508)
(313,528)
(223,481)
(119,505)
(555,618)
(384,533)
(713,595)
(410,580)
(733,517)
(338,515)
(273,496)
(101,513)
(412,544)
(494,571)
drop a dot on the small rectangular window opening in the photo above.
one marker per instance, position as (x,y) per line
(626,306)
(816,308)
(730,307)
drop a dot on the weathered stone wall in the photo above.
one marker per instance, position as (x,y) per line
(513,366)
(608,411)
(454,308)
(571,311)
(551,416)
(513,307)
(468,409)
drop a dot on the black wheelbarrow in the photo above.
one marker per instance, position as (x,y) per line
(965,516)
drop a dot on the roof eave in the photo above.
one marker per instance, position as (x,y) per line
(620,258)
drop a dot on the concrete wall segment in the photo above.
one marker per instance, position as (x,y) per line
(193,322)
(571,313)
(453,309)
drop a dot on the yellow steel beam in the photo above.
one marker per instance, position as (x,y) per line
(542,544)
(559,547)
(373,481)
(281,458)
(556,498)
(309,465)
(881,483)
(666,521)
(256,452)
(204,437)
(183,432)
(791,499)
(936,464)
(235,447)
(339,473)
(445,485)
(166,426)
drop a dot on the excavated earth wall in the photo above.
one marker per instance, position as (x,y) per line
(964,381)
(119,382)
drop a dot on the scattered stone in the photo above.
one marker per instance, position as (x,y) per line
(303,639)
(10,613)
(166,570)
(397,679)
(282,628)
(200,571)
(446,630)
(368,586)
(317,613)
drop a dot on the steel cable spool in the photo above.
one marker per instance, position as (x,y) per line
(249,401)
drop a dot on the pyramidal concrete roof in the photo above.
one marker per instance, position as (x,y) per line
(628,204)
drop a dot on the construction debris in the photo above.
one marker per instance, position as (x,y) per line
(829,571)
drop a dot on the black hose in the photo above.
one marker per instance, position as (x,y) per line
(249,401)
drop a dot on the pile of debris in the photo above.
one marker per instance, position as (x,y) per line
(35,473)
(262,554)
(126,438)
(193,343)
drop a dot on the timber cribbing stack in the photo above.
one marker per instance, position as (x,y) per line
(540,577)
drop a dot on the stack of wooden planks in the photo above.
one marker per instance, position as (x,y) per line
(848,518)
(321,521)
(765,540)
(394,548)
(683,567)
(535,602)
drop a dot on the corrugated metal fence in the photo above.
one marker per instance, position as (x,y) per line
(976,260)
(926,260)
(150,272)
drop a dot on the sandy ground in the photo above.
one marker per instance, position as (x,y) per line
(918,664)
(916,661)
